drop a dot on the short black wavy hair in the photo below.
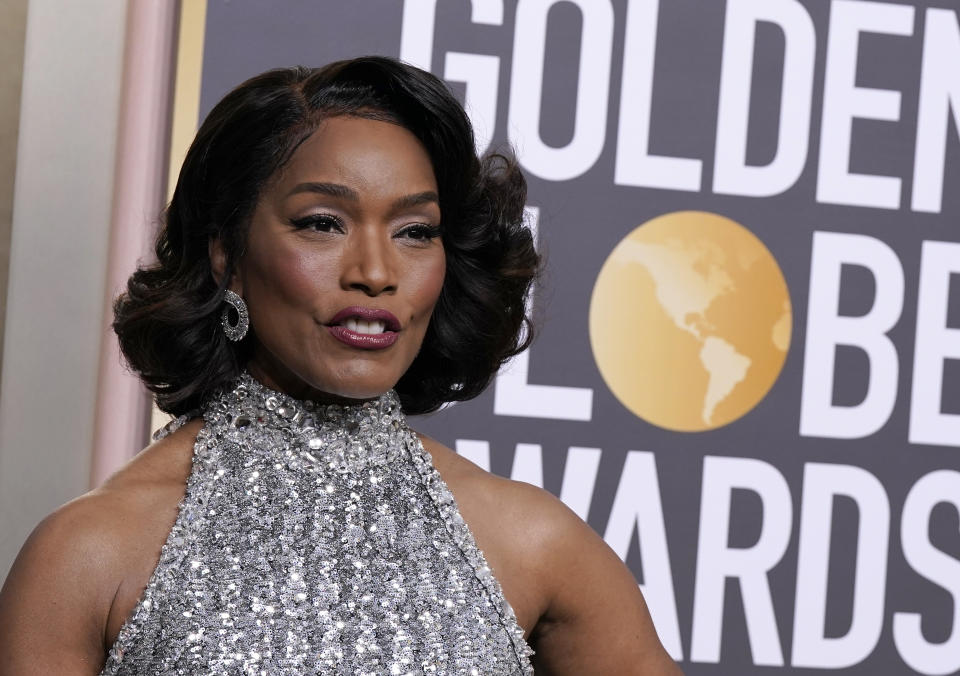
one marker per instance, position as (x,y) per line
(168,320)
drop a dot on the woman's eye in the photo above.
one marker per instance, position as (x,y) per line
(319,222)
(420,232)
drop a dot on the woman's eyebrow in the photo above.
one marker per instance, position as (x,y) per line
(344,192)
(416,199)
(331,189)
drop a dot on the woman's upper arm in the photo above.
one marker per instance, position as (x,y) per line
(596,621)
(56,598)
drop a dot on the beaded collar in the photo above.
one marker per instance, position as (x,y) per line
(337,436)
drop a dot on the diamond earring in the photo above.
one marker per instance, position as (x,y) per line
(235,332)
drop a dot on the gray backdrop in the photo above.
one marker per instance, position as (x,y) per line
(583,217)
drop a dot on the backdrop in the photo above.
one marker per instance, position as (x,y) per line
(747,369)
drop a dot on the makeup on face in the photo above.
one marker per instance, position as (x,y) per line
(365,328)
(344,262)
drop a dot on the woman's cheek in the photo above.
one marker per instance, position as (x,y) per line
(301,277)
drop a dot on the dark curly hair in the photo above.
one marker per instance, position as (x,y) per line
(168,320)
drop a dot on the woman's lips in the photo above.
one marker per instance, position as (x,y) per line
(364,341)
(364,328)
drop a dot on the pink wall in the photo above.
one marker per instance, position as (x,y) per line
(123,407)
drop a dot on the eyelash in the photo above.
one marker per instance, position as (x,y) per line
(315,221)
(327,222)
(424,231)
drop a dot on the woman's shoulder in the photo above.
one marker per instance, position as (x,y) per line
(569,589)
(93,525)
(526,533)
(531,512)
(142,490)
(86,558)
(108,515)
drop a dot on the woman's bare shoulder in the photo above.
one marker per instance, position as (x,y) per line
(76,564)
(536,515)
(94,522)
(570,590)
(518,526)
(154,479)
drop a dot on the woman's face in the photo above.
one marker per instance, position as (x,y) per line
(344,262)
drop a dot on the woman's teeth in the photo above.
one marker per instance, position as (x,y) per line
(363,326)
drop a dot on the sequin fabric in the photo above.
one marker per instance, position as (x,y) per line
(317,540)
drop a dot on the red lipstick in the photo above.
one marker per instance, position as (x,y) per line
(364,341)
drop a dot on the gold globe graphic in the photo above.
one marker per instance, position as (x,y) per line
(690,321)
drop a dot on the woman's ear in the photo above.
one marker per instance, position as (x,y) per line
(218,265)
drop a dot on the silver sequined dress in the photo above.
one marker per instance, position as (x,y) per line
(317,540)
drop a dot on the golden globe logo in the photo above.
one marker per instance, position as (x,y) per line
(690,321)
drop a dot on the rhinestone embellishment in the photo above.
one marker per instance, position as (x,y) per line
(317,539)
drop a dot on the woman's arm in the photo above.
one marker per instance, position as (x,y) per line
(55,601)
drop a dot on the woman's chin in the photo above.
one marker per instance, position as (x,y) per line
(353,396)
(325,384)
(352,391)
(369,381)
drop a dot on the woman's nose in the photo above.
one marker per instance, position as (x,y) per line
(368,262)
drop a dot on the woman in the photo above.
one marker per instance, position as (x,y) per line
(334,255)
